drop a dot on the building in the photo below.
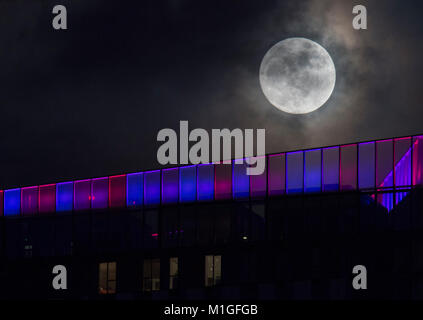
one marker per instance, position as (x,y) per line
(212,232)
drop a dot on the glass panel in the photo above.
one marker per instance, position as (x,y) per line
(152,188)
(170,183)
(223,181)
(100,193)
(276,175)
(29,200)
(82,195)
(348,167)
(64,196)
(135,189)
(188,184)
(331,169)
(384,164)
(366,165)
(386,200)
(258,183)
(418,160)
(47,198)
(402,169)
(294,172)
(205,182)
(313,171)
(12,202)
(241,181)
(1,202)
(117,191)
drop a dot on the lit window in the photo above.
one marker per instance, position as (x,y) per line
(151,275)
(173,273)
(107,278)
(213,270)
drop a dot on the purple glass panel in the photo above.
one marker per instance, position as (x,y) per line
(418,160)
(348,170)
(152,188)
(294,172)
(366,165)
(276,175)
(385,164)
(29,200)
(170,182)
(258,183)
(402,161)
(82,195)
(1,202)
(205,182)
(330,169)
(100,193)
(386,200)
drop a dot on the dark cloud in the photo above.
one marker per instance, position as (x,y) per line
(89,101)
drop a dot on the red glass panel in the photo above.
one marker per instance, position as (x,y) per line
(117,191)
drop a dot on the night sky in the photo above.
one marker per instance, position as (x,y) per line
(89,101)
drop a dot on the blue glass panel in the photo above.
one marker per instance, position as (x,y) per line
(170,183)
(12,202)
(294,172)
(188,184)
(313,171)
(1,202)
(205,182)
(134,189)
(64,196)
(241,181)
(152,188)
(366,165)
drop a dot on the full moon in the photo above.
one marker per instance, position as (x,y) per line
(297,75)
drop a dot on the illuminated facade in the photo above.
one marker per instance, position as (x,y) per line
(386,165)
(211,231)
